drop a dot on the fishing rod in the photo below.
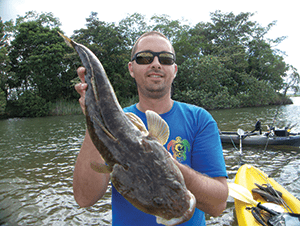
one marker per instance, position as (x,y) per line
(272,126)
(266,178)
(286,206)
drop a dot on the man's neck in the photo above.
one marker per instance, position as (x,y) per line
(160,106)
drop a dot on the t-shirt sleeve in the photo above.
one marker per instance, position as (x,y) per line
(207,151)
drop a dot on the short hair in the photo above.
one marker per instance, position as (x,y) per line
(150,33)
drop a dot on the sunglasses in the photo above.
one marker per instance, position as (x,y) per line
(147,57)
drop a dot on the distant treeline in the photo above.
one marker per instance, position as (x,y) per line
(225,63)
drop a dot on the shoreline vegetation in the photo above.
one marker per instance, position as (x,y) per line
(225,63)
(65,107)
(61,108)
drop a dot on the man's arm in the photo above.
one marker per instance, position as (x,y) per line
(210,193)
(88,185)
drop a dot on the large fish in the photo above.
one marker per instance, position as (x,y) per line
(141,168)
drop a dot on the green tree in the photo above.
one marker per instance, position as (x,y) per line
(4,65)
(176,31)
(44,19)
(292,81)
(2,102)
(108,43)
(172,29)
(265,65)
(249,62)
(37,59)
(228,29)
(30,104)
(132,27)
(227,62)
(205,83)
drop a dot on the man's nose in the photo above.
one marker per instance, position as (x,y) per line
(156,63)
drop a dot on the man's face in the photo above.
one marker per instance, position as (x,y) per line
(153,80)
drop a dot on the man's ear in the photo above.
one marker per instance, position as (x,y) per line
(130,69)
(175,69)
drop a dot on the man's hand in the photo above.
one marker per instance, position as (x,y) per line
(81,87)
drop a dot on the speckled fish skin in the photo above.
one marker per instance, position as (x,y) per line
(143,171)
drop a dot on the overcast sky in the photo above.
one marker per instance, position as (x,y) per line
(72,14)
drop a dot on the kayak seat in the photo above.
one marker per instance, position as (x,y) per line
(281,132)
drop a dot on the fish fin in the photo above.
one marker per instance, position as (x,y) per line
(100,168)
(157,127)
(137,122)
(67,40)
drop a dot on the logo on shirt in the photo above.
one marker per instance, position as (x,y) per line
(179,148)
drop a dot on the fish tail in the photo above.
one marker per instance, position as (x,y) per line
(67,40)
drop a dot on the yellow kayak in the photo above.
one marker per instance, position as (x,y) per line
(246,176)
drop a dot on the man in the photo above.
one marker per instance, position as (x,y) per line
(257,127)
(194,140)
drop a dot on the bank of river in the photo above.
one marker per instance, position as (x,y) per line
(37,158)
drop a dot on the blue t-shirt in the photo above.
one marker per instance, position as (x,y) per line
(194,140)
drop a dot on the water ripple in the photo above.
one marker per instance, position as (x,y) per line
(37,158)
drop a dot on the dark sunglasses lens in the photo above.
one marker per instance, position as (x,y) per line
(166,58)
(144,58)
(147,58)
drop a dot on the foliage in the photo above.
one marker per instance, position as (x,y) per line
(132,27)
(63,107)
(108,43)
(204,82)
(2,102)
(37,56)
(292,81)
(225,63)
(37,59)
(29,104)
(4,59)
(265,65)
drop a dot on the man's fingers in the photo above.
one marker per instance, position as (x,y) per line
(82,104)
(81,73)
(81,88)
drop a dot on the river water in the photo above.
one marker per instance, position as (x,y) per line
(37,158)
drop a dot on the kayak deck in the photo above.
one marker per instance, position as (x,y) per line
(246,176)
(257,139)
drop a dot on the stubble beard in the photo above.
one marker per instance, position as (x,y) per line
(154,91)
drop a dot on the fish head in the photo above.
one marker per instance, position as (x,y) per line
(172,203)
(181,219)
(155,185)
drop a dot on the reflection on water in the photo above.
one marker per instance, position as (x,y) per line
(37,158)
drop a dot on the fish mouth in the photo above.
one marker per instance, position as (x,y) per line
(185,217)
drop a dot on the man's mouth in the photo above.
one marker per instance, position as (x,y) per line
(155,75)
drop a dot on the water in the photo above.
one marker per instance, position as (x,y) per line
(37,158)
